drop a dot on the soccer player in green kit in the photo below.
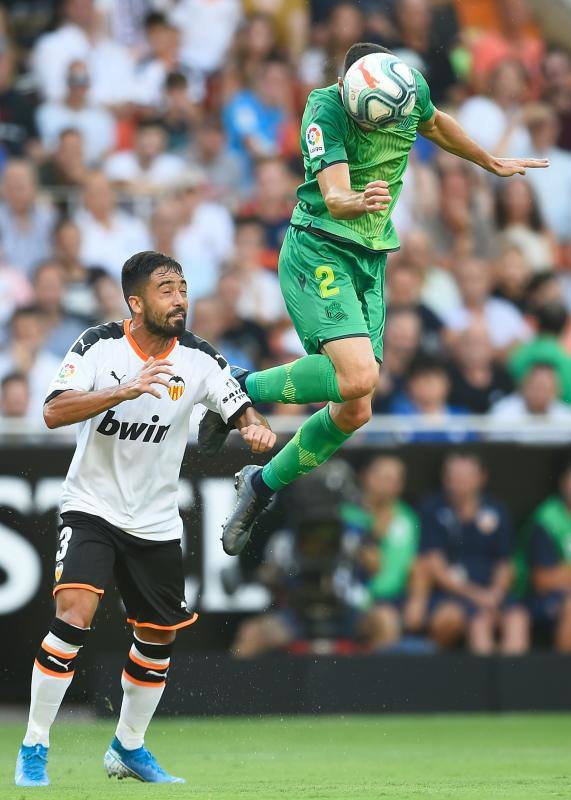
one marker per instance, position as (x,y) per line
(331,271)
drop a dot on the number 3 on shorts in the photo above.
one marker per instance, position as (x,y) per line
(326,276)
(64,537)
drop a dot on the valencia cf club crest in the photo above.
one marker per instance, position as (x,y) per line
(58,572)
(176,387)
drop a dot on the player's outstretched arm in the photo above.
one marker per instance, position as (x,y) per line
(255,431)
(344,203)
(443,130)
(73,406)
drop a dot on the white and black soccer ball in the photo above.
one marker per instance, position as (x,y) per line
(379,89)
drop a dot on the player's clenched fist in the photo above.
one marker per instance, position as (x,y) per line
(146,380)
(258,437)
(376,196)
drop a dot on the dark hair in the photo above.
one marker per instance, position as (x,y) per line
(426,365)
(154,19)
(465,455)
(150,122)
(176,80)
(360,49)
(138,269)
(551,318)
(539,280)
(535,219)
(11,377)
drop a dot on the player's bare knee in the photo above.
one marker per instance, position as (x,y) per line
(155,636)
(76,607)
(360,381)
(75,615)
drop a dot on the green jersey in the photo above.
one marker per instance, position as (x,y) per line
(329,135)
(397,551)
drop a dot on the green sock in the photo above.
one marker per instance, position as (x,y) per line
(311,379)
(314,443)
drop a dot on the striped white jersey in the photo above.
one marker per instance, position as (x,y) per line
(127,460)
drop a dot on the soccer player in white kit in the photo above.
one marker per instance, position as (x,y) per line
(131,386)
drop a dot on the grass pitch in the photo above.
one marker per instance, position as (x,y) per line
(444,757)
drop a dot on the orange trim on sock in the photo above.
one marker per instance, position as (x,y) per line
(57,653)
(184,624)
(86,586)
(137,349)
(52,672)
(148,664)
(142,683)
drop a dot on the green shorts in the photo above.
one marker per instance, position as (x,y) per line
(332,289)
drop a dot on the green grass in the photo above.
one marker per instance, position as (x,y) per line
(445,757)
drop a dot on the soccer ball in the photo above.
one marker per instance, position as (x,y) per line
(378,89)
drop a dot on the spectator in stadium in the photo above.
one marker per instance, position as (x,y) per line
(18,131)
(95,124)
(545,347)
(66,167)
(222,168)
(25,352)
(402,342)
(404,288)
(272,204)
(255,119)
(205,238)
(549,553)
(15,291)
(111,304)
(429,35)
(163,58)
(477,380)
(439,289)
(505,324)
(206,29)
(388,552)
(260,295)
(290,20)
(147,168)
(519,223)
(426,397)
(208,323)
(109,236)
(465,549)
(322,64)
(78,295)
(537,397)
(14,396)
(557,91)
(544,129)
(79,37)
(512,274)
(26,225)
(179,114)
(254,42)
(164,225)
(494,121)
(243,334)
(60,327)
(461,227)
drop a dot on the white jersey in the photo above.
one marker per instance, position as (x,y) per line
(127,461)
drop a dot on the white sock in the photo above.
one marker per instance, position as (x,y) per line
(143,683)
(51,677)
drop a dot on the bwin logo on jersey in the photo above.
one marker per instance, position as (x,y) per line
(133,431)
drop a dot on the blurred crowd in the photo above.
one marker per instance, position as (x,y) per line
(353,567)
(174,125)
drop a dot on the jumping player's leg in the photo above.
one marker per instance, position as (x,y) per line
(324,432)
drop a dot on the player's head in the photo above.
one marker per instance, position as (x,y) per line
(358,50)
(155,290)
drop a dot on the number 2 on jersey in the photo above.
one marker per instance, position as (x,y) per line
(326,276)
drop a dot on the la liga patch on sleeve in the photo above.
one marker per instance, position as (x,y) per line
(314,139)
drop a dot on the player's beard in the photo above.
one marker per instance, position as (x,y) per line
(168,326)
